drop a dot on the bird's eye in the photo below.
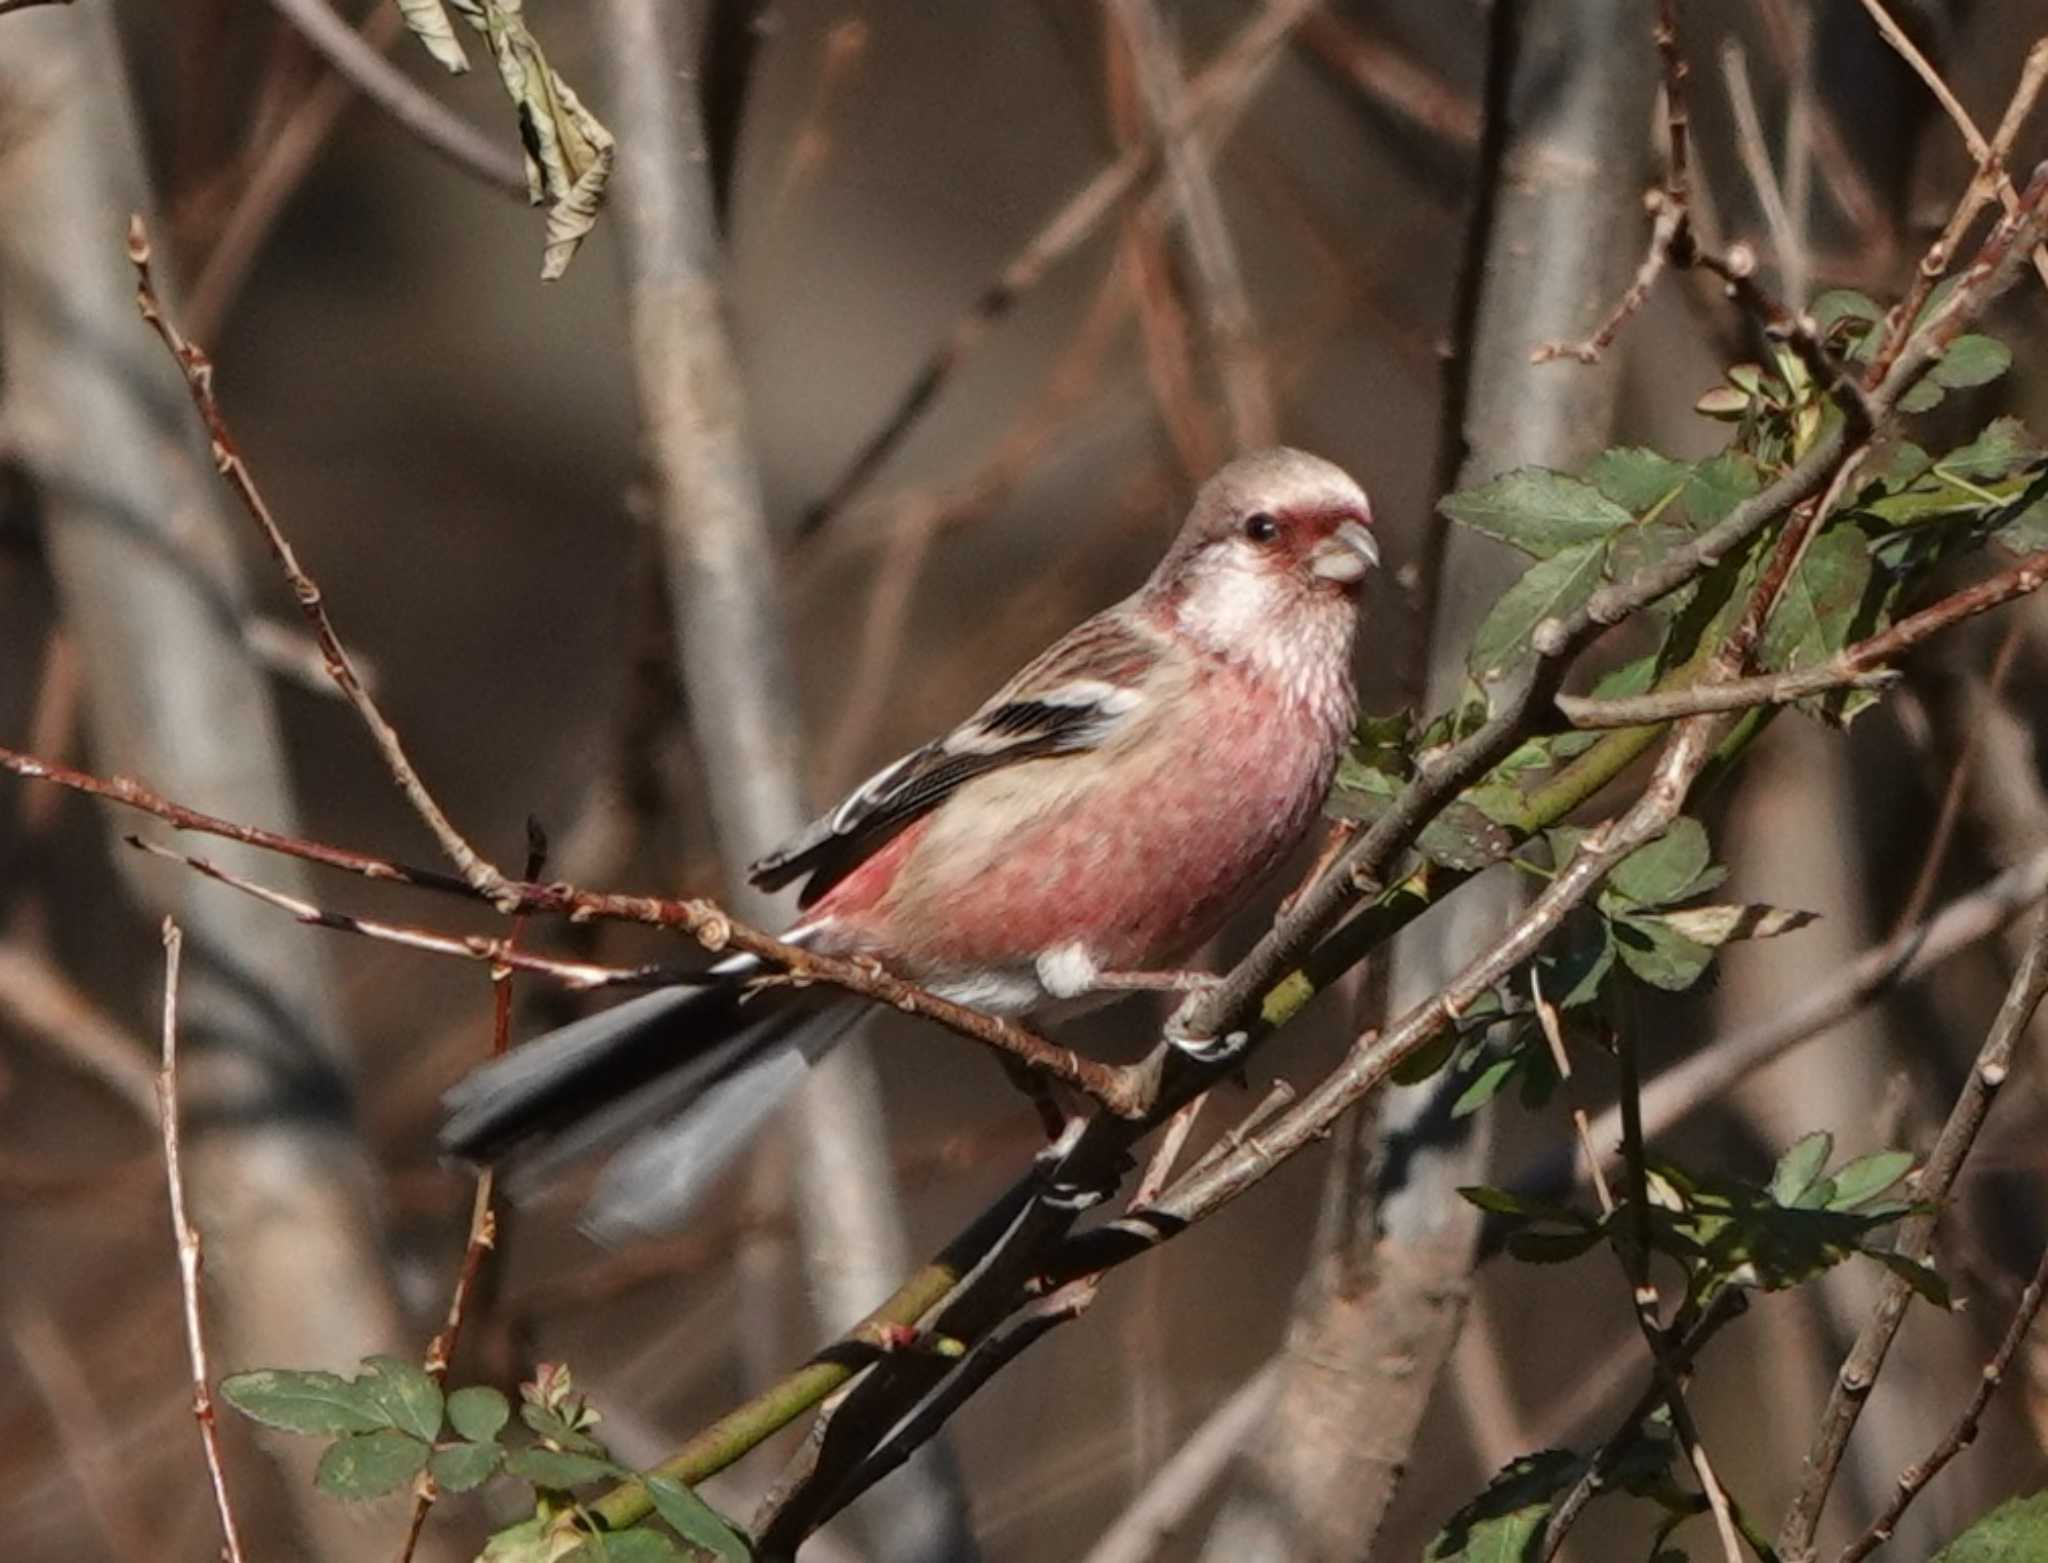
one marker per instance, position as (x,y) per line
(1260,527)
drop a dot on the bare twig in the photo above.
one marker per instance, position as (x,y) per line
(1866,1358)
(1236,72)
(189,1251)
(1989,162)
(1114,1086)
(1763,178)
(52,1365)
(1858,666)
(1391,78)
(1119,1088)
(197,369)
(1846,181)
(23,5)
(425,117)
(1915,1477)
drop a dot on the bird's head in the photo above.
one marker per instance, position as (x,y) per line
(1278,541)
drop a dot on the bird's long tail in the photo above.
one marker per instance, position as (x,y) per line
(679,1080)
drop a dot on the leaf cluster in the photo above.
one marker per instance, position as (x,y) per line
(392,1427)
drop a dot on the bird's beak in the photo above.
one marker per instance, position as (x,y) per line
(1346,554)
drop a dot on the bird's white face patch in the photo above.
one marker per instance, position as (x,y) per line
(1067,971)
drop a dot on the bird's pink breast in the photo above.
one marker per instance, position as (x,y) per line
(1146,853)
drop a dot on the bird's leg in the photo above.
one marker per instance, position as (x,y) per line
(1153,981)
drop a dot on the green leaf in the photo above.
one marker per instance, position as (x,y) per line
(1549,589)
(558,1470)
(1667,869)
(1575,963)
(639,1545)
(369,1465)
(1499,1525)
(1550,1248)
(696,1521)
(1925,396)
(1658,953)
(1427,1061)
(557,1430)
(1862,1180)
(1484,1087)
(459,1467)
(543,1539)
(1636,478)
(1840,304)
(1925,1280)
(1816,616)
(2003,448)
(2014,1532)
(1506,1202)
(478,1413)
(1541,512)
(1972,360)
(321,1403)
(1800,1167)
(1718,485)
(409,1400)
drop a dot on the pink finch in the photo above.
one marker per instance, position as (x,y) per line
(1083,831)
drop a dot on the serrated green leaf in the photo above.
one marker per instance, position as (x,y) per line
(320,1403)
(558,1470)
(459,1467)
(555,1429)
(546,1538)
(639,1545)
(1816,616)
(369,1465)
(1718,485)
(2014,1532)
(1543,513)
(1667,869)
(1862,1180)
(1800,1166)
(1658,953)
(696,1521)
(409,1400)
(1636,478)
(1719,925)
(478,1413)
(1499,1525)
(1724,402)
(2002,448)
(1506,1202)
(1839,304)
(1972,360)
(1550,588)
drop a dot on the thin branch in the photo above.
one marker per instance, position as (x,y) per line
(1985,185)
(1763,178)
(1857,667)
(23,5)
(415,111)
(483,1219)
(1229,81)
(1916,1476)
(1120,1088)
(197,369)
(1115,1087)
(1866,1358)
(1992,163)
(190,1256)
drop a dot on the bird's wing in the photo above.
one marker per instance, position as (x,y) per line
(1077,693)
